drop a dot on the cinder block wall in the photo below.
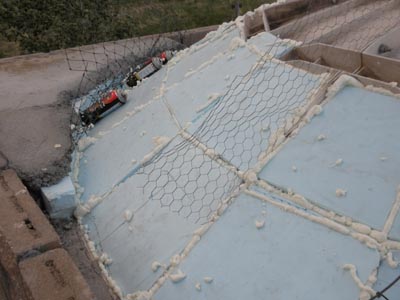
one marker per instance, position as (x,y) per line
(33,266)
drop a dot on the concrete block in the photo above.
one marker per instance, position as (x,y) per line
(59,199)
(10,182)
(11,284)
(53,275)
(22,223)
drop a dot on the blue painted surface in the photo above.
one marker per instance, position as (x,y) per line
(360,126)
(160,227)
(386,275)
(224,73)
(263,104)
(206,49)
(290,258)
(155,234)
(188,99)
(109,159)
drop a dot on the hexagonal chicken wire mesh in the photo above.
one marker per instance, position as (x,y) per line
(259,110)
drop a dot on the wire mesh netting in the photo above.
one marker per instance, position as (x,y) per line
(188,182)
(152,26)
(106,66)
(252,118)
(262,107)
(194,173)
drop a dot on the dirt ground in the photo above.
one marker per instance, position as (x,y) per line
(35,115)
